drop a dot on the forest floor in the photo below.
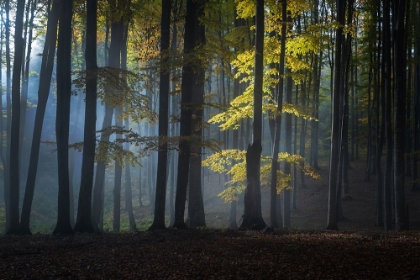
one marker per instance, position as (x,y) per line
(358,251)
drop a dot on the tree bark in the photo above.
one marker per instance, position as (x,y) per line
(63,116)
(84,212)
(401,222)
(252,218)
(159,216)
(14,171)
(47,64)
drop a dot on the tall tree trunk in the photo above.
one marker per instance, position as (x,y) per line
(84,212)
(9,117)
(117,178)
(14,171)
(277,122)
(47,64)
(386,78)
(63,117)
(288,149)
(195,195)
(161,177)
(186,114)
(252,218)
(114,62)
(416,100)
(401,222)
(335,129)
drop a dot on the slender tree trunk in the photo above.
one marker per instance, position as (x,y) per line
(252,218)
(84,212)
(386,77)
(401,222)
(277,122)
(117,179)
(195,195)
(14,171)
(47,64)
(186,113)
(288,149)
(159,217)
(63,116)
(335,129)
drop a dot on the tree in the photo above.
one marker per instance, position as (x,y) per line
(195,195)
(159,216)
(47,64)
(188,80)
(252,218)
(14,173)
(335,128)
(276,142)
(401,220)
(84,218)
(63,116)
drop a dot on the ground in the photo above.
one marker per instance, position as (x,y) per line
(358,251)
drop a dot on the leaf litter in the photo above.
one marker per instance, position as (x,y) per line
(211,254)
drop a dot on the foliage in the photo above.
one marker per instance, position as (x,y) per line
(232,162)
(121,88)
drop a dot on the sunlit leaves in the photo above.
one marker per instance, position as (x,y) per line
(232,162)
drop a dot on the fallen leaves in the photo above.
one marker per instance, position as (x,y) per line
(210,254)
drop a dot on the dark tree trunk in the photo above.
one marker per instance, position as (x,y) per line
(335,129)
(195,194)
(98,188)
(62,125)
(288,149)
(401,222)
(186,112)
(14,173)
(84,216)
(47,64)
(159,216)
(416,100)
(252,218)
(116,222)
(114,62)
(386,78)
(277,122)
(9,118)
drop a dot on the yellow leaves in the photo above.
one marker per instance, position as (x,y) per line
(245,8)
(232,162)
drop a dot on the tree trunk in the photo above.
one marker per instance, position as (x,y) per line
(186,114)
(116,222)
(63,116)
(195,195)
(335,129)
(47,64)
(159,216)
(401,222)
(277,122)
(14,172)
(84,211)
(288,149)
(252,218)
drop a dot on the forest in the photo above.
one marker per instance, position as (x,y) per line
(127,115)
(192,139)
